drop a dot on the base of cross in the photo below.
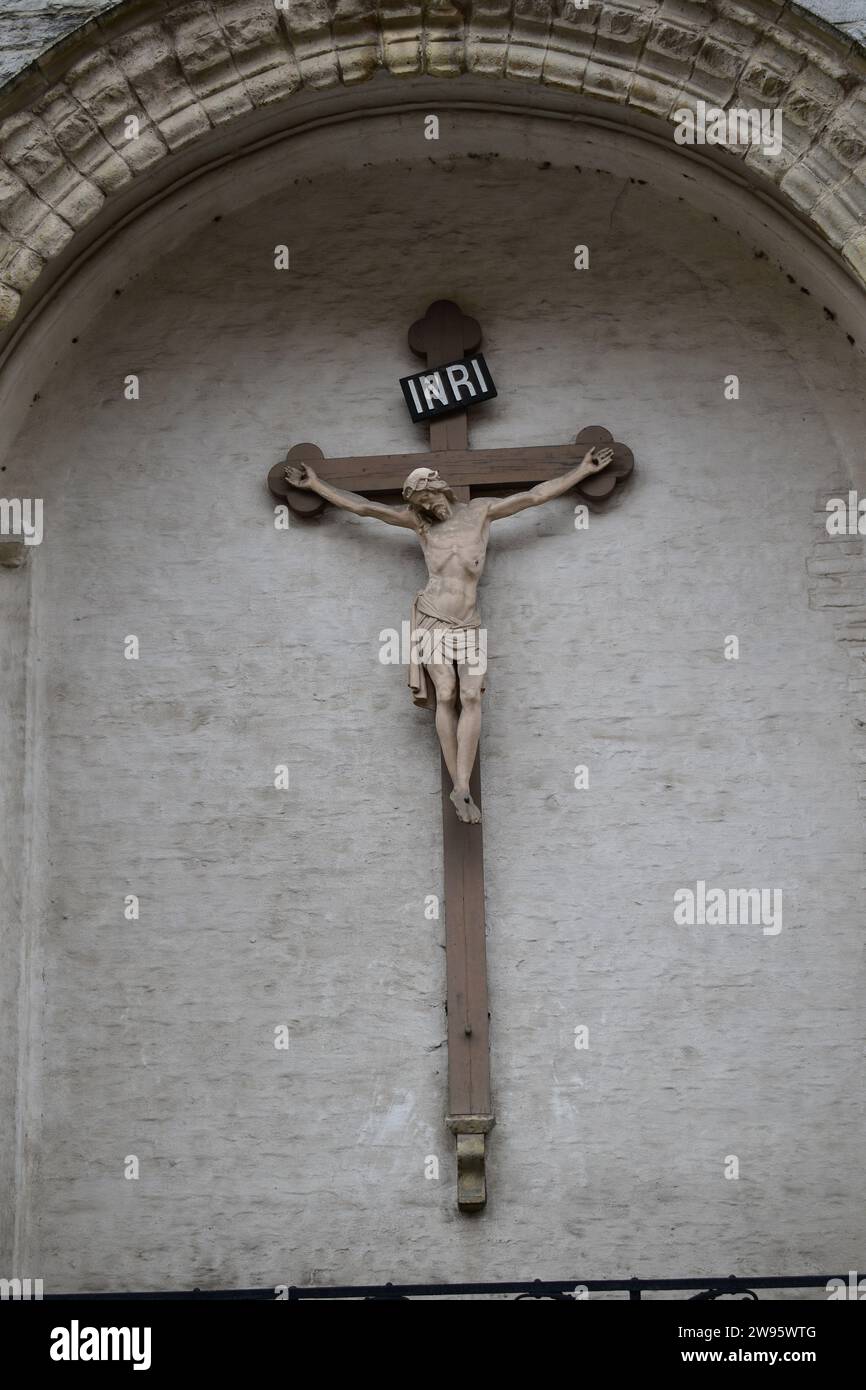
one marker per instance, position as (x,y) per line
(469,1132)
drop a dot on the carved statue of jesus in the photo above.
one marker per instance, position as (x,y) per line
(445,620)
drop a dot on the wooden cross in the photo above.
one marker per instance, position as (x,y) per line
(445,335)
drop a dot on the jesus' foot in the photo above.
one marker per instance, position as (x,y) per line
(465,807)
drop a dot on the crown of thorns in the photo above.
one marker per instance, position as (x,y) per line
(424,480)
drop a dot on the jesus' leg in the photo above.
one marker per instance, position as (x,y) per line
(468,733)
(458,737)
(444,678)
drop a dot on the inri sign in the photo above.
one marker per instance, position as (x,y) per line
(462,383)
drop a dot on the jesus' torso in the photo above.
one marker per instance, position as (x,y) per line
(455,551)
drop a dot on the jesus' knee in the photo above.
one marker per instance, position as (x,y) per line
(446,692)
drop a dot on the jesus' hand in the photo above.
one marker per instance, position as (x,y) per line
(597,459)
(301,475)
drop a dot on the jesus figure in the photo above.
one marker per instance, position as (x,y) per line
(445,619)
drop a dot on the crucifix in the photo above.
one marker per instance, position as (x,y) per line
(450,503)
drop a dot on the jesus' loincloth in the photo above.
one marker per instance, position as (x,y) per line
(435,639)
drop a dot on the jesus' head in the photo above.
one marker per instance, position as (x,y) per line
(428,494)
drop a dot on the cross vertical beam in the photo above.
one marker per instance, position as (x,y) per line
(470,1110)
(442,336)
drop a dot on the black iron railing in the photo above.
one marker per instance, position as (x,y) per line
(565,1290)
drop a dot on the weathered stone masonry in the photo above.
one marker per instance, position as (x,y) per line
(186,69)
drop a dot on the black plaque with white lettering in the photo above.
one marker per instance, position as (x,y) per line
(453,387)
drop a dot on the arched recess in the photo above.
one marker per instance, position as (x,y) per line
(315,130)
(150,92)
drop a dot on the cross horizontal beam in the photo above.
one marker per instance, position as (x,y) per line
(461,467)
(505,468)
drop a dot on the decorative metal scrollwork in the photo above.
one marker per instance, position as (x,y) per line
(722,1293)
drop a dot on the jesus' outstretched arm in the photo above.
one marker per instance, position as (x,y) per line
(593,462)
(303,476)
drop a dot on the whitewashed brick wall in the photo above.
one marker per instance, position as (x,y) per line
(260,908)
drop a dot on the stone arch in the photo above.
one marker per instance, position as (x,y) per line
(202,79)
